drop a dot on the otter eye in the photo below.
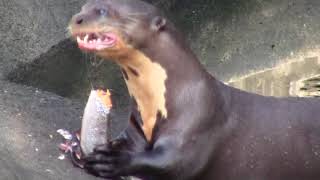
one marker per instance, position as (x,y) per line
(102,12)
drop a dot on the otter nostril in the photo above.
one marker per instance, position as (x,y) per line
(79,21)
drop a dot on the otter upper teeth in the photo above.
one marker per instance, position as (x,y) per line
(78,39)
(86,38)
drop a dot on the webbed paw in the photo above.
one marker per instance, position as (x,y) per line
(107,162)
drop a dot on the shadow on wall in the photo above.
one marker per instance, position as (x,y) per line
(234,37)
(68,72)
(299,76)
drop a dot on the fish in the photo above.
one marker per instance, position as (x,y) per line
(95,128)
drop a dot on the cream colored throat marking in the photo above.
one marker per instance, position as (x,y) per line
(148,88)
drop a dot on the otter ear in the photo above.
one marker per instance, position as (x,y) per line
(158,23)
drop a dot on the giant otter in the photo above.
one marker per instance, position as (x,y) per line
(184,124)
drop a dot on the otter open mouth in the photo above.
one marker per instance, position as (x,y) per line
(96,41)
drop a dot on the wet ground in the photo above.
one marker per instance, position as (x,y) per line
(29,120)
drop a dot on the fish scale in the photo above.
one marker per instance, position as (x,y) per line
(95,121)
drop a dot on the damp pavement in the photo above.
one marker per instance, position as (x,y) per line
(29,119)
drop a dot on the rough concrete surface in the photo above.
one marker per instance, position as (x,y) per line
(29,119)
(296,77)
(235,37)
(231,38)
(28,28)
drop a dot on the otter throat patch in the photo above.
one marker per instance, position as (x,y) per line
(148,88)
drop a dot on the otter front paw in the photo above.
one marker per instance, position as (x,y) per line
(108,163)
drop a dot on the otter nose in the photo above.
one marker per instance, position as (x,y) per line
(79,20)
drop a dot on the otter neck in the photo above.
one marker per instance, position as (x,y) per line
(145,81)
(148,73)
(176,57)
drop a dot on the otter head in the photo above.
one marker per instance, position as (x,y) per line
(113,28)
(126,31)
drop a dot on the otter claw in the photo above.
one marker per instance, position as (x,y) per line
(76,160)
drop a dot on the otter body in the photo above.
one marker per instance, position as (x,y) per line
(184,124)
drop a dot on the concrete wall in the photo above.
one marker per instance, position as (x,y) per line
(29,28)
(232,38)
(236,37)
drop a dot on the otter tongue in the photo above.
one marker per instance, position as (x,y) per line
(106,40)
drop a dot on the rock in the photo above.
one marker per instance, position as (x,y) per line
(30,27)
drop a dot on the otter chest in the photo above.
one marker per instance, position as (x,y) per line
(146,84)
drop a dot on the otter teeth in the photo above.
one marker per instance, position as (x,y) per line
(79,39)
(86,38)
